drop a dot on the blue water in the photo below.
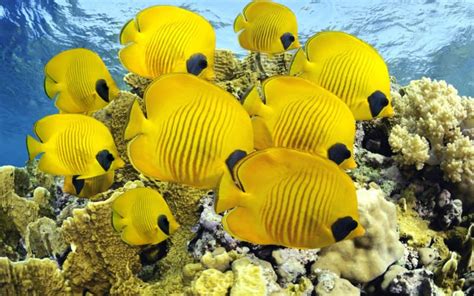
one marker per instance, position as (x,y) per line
(431,38)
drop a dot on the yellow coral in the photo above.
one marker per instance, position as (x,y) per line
(212,282)
(413,147)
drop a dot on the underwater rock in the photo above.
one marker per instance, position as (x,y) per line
(304,287)
(212,282)
(366,257)
(428,120)
(32,277)
(329,284)
(43,239)
(414,283)
(137,83)
(253,277)
(291,263)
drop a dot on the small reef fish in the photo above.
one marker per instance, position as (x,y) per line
(87,188)
(285,197)
(168,39)
(301,115)
(192,126)
(80,81)
(142,217)
(267,27)
(348,67)
(73,145)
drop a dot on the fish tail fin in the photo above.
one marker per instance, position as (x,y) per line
(51,87)
(34,147)
(298,63)
(228,195)
(118,222)
(239,23)
(128,32)
(136,121)
(252,102)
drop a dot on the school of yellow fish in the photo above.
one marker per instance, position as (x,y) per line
(276,160)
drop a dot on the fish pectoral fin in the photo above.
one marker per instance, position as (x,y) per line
(141,158)
(244,226)
(67,104)
(133,58)
(262,135)
(118,222)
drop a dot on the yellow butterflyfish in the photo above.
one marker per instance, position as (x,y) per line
(348,67)
(79,81)
(142,217)
(267,27)
(281,196)
(73,145)
(88,187)
(301,115)
(191,127)
(168,39)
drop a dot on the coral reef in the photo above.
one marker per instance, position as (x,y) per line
(366,257)
(432,126)
(419,236)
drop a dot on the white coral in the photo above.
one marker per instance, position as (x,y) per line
(432,112)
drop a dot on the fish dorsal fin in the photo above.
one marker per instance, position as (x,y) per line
(327,44)
(128,32)
(155,16)
(166,93)
(50,125)
(254,9)
(279,91)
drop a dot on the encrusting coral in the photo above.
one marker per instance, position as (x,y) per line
(433,126)
(366,257)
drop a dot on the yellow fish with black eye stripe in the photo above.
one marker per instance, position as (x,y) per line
(79,80)
(90,187)
(348,67)
(168,39)
(142,217)
(73,145)
(301,115)
(280,196)
(191,127)
(267,27)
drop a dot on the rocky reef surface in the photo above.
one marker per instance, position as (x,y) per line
(415,193)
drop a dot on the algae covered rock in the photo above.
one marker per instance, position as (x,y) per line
(366,257)
(32,277)
(212,282)
(43,239)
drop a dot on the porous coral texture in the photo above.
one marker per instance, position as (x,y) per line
(432,112)
(99,259)
(32,277)
(366,257)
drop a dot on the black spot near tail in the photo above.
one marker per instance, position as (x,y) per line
(377,101)
(342,227)
(105,159)
(338,153)
(78,184)
(102,89)
(164,224)
(196,63)
(233,159)
(286,40)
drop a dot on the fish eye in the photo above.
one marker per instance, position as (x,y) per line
(110,157)
(287,39)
